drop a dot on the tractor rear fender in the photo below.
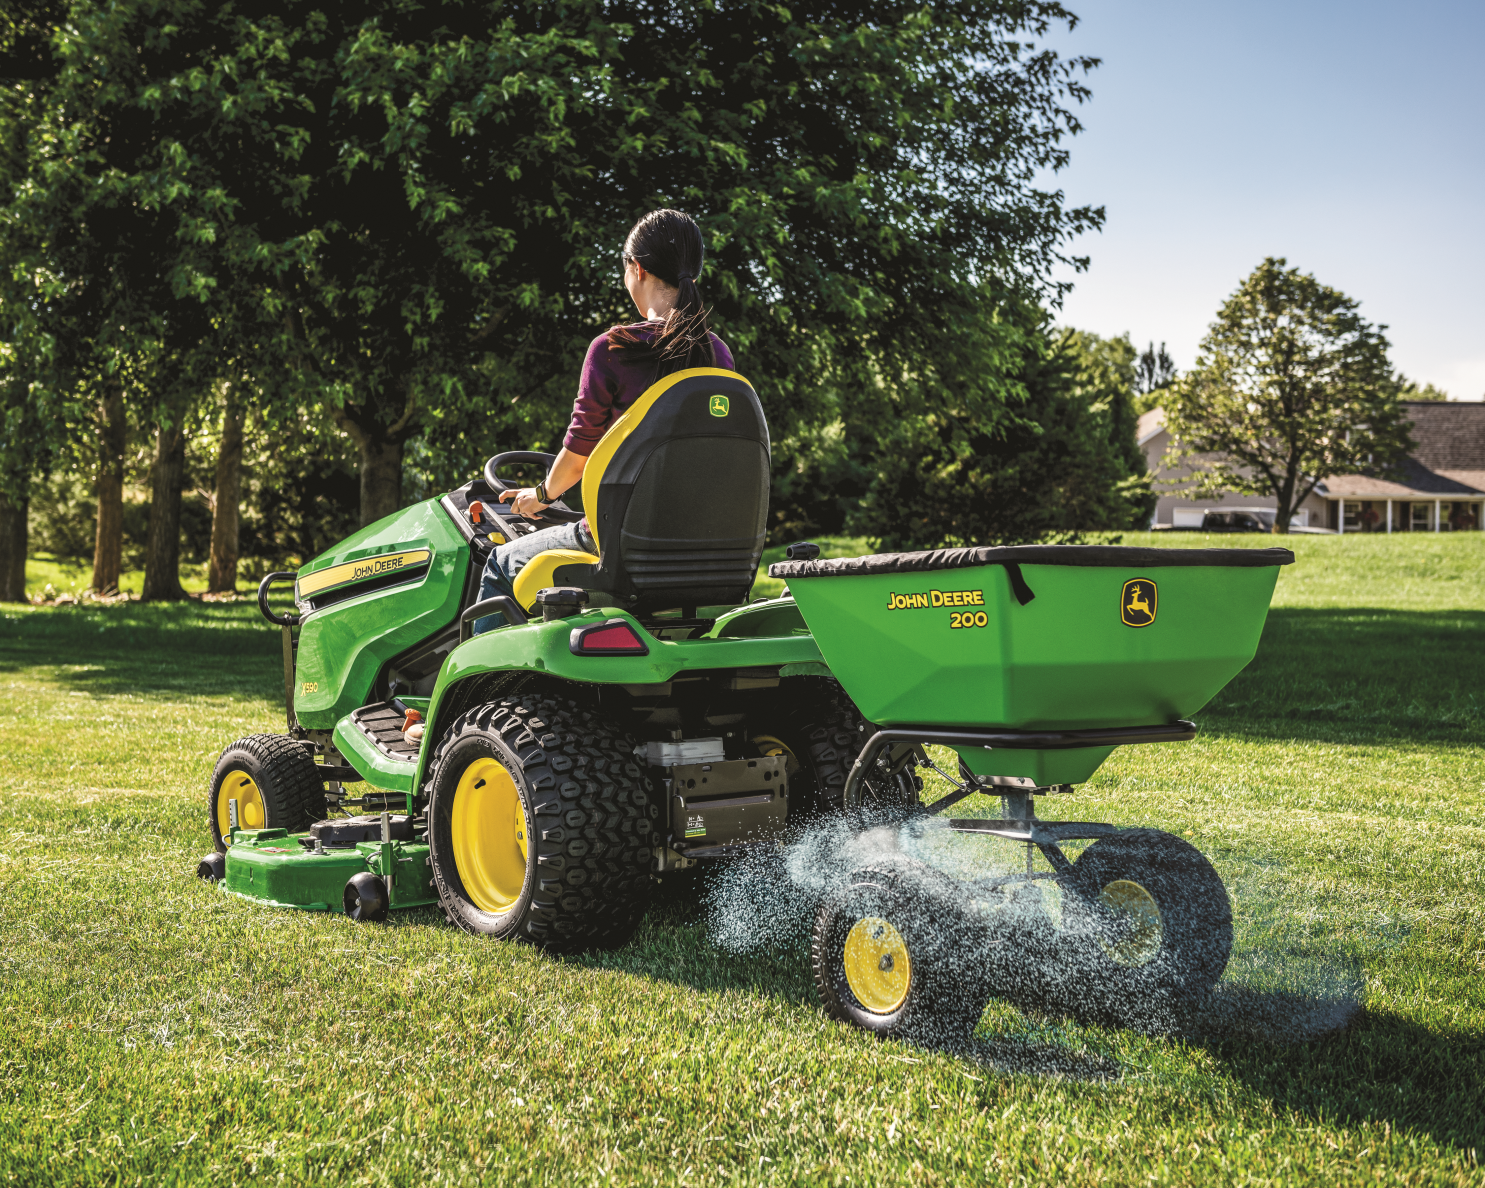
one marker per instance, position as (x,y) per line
(547,648)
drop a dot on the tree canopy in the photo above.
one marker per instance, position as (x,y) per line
(411,213)
(1291,386)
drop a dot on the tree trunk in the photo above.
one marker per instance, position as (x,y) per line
(162,549)
(222,575)
(108,544)
(13,549)
(380,444)
(381,477)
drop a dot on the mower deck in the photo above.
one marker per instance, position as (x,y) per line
(276,867)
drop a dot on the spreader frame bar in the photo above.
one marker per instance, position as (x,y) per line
(1035,740)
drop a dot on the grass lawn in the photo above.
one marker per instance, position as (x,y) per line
(71,577)
(154,1031)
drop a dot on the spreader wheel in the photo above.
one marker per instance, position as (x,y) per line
(889,952)
(540,825)
(1157,940)
(275,782)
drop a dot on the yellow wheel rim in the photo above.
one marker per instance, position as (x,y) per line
(1133,901)
(877,967)
(767,744)
(489,832)
(251,814)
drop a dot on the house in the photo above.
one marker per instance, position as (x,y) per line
(1441,487)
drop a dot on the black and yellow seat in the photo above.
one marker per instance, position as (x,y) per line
(676,496)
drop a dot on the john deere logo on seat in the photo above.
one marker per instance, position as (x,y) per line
(719,406)
(1137,603)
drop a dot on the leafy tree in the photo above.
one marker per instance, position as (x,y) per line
(1065,461)
(1291,386)
(410,213)
(1412,390)
(1154,372)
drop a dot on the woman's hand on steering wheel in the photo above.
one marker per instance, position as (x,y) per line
(524,502)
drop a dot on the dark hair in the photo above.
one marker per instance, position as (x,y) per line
(668,244)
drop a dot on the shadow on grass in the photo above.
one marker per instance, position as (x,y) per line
(1288,1021)
(1360,675)
(206,649)
(672,945)
(1382,1068)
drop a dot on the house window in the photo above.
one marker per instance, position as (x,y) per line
(1352,511)
(1421,517)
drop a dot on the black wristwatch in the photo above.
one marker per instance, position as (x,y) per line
(541,493)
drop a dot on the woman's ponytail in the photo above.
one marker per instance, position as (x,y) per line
(669,244)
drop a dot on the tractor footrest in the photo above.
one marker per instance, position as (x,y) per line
(381,722)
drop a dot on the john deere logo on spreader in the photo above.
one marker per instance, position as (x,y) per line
(719,406)
(1137,604)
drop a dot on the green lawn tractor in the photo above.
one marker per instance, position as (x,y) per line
(635,715)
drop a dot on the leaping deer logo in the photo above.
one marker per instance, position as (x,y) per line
(1138,607)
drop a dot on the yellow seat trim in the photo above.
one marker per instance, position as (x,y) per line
(619,432)
(537,573)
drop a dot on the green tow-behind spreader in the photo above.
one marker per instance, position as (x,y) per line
(633,715)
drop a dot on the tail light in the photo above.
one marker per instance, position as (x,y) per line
(616,637)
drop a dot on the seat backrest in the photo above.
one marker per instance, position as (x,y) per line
(677,493)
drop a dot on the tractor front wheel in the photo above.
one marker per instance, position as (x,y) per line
(541,825)
(275,782)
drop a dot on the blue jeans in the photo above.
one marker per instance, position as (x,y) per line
(509,559)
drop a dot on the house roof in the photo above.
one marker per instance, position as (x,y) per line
(1450,434)
(1447,462)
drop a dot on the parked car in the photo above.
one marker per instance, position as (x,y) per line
(1238,519)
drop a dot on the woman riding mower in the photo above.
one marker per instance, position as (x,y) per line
(662,259)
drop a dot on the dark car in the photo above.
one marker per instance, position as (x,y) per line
(1238,519)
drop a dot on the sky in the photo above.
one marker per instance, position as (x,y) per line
(1348,138)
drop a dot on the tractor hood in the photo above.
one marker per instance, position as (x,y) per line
(373,596)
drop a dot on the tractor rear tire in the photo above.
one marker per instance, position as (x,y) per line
(541,825)
(893,953)
(275,782)
(823,732)
(1175,941)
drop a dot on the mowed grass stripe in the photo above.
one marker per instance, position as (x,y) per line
(155,1031)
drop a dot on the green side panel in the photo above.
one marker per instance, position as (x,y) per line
(1065,660)
(776,616)
(379,768)
(544,647)
(343,646)
(271,866)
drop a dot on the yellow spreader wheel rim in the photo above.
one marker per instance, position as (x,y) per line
(239,786)
(877,967)
(489,833)
(1131,900)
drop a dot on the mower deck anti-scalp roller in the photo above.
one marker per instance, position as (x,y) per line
(635,715)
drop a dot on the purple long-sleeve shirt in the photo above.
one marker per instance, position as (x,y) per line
(610,384)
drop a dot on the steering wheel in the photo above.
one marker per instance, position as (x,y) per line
(557,513)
